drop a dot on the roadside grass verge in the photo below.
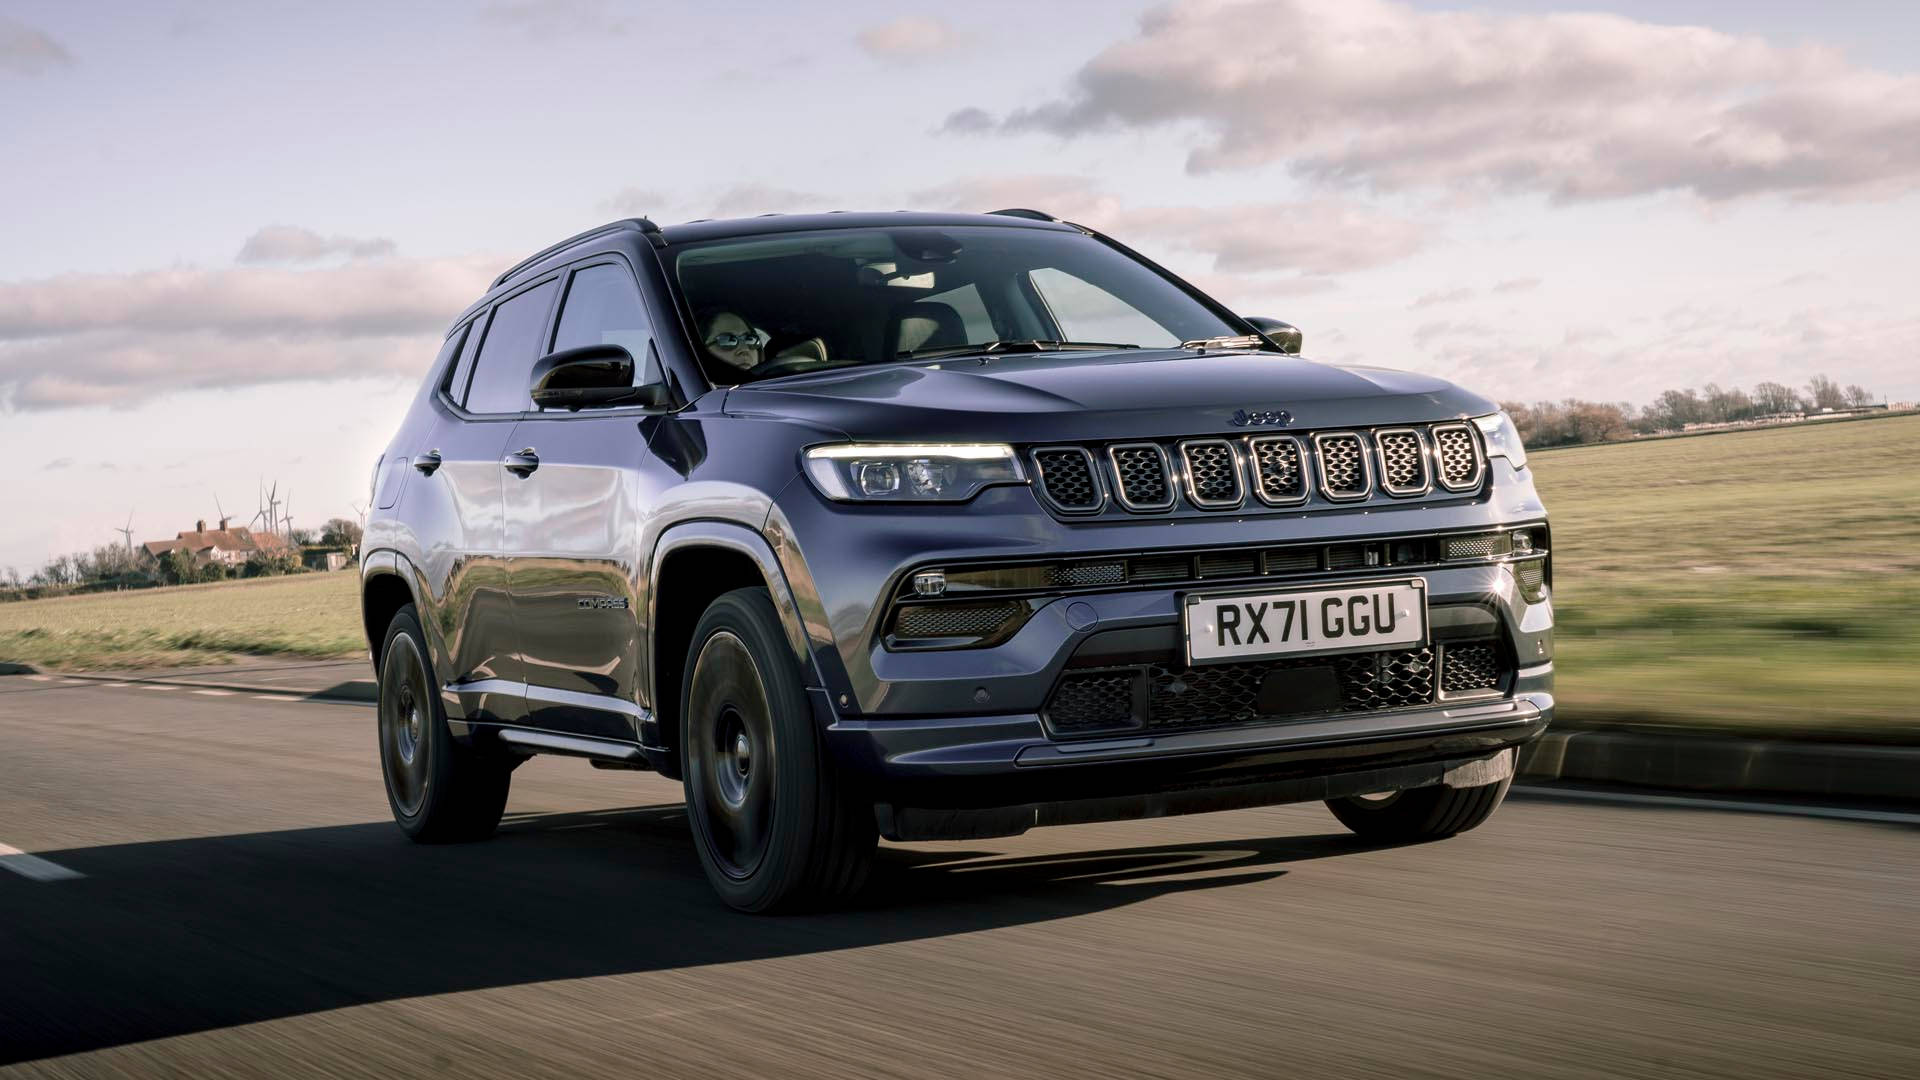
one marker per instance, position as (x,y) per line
(311,616)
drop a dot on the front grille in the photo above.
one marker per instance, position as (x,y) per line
(1140,476)
(955,620)
(1458,456)
(1216,695)
(1469,666)
(1343,466)
(1403,462)
(1067,479)
(1213,472)
(1280,476)
(1101,701)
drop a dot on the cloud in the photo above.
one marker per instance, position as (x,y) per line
(633,202)
(1576,106)
(293,244)
(59,463)
(744,200)
(1444,296)
(913,37)
(553,18)
(1514,285)
(27,51)
(1313,237)
(93,339)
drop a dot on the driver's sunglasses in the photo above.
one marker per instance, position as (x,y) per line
(748,340)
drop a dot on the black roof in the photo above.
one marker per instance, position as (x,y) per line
(784,223)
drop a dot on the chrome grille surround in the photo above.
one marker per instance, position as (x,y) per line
(1344,466)
(1142,476)
(1458,462)
(1212,472)
(1279,469)
(1403,461)
(1068,479)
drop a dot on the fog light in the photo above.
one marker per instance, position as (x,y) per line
(1522,542)
(930,583)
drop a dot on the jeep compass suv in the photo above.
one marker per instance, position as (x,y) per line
(944,526)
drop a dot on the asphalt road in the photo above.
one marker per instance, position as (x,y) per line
(246,908)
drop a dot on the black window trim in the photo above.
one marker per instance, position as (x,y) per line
(487,313)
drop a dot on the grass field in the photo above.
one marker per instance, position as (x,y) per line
(305,615)
(1763,581)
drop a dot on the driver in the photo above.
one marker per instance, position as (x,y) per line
(732,340)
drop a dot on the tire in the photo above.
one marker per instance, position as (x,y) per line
(775,827)
(440,791)
(1427,813)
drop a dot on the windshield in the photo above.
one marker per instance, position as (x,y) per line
(768,306)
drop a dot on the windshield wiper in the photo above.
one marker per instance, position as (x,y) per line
(1228,341)
(1019,345)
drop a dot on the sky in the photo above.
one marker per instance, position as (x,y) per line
(232,234)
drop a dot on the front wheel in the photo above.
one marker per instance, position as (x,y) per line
(440,791)
(774,825)
(1427,813)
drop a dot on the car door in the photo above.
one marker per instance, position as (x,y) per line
(573,524)
(488,394)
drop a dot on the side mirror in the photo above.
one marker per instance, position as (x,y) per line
(588,376)
(1285,335)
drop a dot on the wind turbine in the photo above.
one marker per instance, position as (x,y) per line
(128,531)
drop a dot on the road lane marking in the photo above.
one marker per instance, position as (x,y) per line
(75,682)
(156,686)
(1688,802)
(33,866)
(113,685)
(274,697)
(39,678)
(215,693)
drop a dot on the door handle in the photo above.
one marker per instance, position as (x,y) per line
(523,463)
(427,462)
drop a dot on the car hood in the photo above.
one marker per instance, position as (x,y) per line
(1121,395)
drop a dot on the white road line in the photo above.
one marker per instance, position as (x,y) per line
(113,685)
(76,682)
(33,866)
(1688,802)
(215,693)
(273,697)
(39,678)
(156,686)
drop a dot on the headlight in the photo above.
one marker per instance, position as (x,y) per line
(1503,439)
(877,472)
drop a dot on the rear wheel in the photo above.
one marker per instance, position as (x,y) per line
(440,791)
(1427,813)
(774,826)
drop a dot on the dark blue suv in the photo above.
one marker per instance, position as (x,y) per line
(943,526)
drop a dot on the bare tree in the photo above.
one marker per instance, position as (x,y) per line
(1826,393)
(1858,397)
(1773,397)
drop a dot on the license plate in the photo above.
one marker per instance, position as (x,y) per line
(1362,617)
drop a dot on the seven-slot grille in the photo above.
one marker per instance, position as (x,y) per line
(1213,472)
(1140,476)
(1458,457)
(1343,466)
(1281,470)
(1403,462)
(1067,478)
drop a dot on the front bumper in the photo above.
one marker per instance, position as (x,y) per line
(958,777)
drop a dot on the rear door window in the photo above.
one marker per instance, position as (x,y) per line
(506,358)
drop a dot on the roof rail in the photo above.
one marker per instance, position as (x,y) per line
(1022,212)
(637,224)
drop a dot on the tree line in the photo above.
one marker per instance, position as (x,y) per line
(117,566)
(1574,421)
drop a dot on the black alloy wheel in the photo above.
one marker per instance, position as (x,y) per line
(439,790)
(774,826)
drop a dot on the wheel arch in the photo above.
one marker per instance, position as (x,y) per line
(694,563)
(385,588)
